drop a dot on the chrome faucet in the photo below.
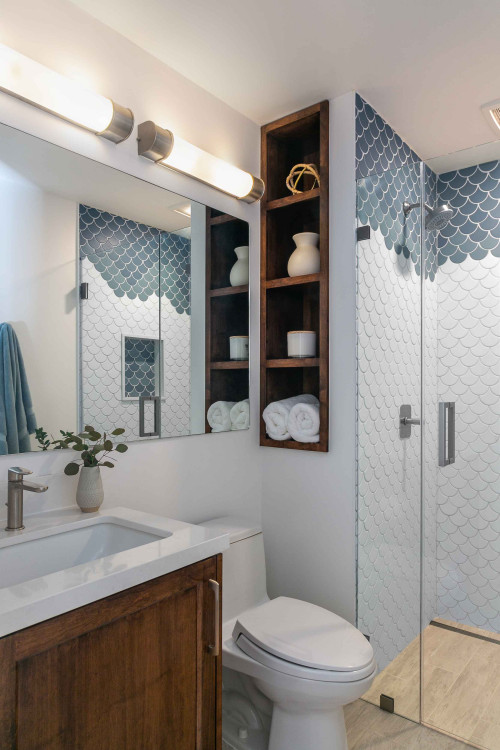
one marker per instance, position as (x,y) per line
(14,503)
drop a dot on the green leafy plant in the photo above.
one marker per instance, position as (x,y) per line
(44,442)
(42,439)
(95,449)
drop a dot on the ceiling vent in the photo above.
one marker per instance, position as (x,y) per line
(492,113)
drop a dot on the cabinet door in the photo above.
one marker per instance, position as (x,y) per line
(130,672)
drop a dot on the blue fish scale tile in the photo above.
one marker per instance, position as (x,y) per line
(131,257)
(140,370)
(378,147)
(380,201)
(474,196)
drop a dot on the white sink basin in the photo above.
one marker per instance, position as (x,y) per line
(64,560)
(98,538)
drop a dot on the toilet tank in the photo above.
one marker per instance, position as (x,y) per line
(243,565)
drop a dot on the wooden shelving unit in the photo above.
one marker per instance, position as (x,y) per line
(301,302)
(226,310)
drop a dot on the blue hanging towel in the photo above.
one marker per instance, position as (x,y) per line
(17,418)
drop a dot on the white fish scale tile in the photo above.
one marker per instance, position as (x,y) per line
(388,311)
(469,490)
(101,368)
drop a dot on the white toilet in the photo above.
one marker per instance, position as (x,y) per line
(288,666)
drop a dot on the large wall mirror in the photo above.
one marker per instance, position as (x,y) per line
(121,304)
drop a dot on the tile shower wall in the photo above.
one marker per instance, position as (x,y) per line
(468,524)
(130,267)
(389,360)
(388,312)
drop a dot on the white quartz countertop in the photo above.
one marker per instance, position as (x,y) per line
(40,597)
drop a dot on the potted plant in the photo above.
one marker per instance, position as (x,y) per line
(95,451)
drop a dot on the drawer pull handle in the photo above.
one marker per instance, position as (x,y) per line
(214,649)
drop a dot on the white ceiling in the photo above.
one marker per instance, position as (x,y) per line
(425,65)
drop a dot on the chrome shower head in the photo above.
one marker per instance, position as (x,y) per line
(436,219)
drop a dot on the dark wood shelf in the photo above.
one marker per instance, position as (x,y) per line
(225,290)
(294,362)
(291,200)
(226,310)
(291,444)
(222,219)
(292,281)
(300,302)
(230,365)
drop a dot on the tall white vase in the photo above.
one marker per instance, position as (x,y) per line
(305,258)
(239,272)
(90,492)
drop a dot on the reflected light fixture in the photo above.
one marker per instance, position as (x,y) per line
(162,147)
(42,87)
(184,210)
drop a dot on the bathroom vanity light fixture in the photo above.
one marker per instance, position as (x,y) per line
(162,147)
(42,87)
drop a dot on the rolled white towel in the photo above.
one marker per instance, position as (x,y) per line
(276,415)
(219,416)
(303,423)
(240,415)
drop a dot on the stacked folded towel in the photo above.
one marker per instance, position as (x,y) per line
(223,416)
(303,423)
(277,417)
(240,415)
(219,416)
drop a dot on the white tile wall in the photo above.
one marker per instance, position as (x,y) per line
(388,312)
(468,521)
(104,318)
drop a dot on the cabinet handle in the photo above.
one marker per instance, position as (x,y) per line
(214,649)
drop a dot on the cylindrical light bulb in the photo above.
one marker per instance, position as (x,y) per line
(34,83)
(163,147)
(210,169)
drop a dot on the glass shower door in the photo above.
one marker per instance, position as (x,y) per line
(389,462)
(461,519)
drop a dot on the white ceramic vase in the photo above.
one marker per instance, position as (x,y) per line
(239,272)
(305,258)
(90,493)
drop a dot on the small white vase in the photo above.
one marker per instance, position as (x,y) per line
(89,493)
(305,258)
(239,272)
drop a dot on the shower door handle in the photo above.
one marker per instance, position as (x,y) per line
(446,433)
(157,415)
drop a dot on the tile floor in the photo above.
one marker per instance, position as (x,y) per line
(369,728)
(461,684)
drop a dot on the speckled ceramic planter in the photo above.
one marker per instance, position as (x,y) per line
(90,493)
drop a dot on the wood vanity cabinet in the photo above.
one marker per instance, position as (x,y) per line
(133,671)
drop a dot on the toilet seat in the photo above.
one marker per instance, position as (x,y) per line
(305,641)
(296,670)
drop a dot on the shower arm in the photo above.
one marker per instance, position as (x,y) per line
(407,207)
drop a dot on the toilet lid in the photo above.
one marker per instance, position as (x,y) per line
(305,634)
